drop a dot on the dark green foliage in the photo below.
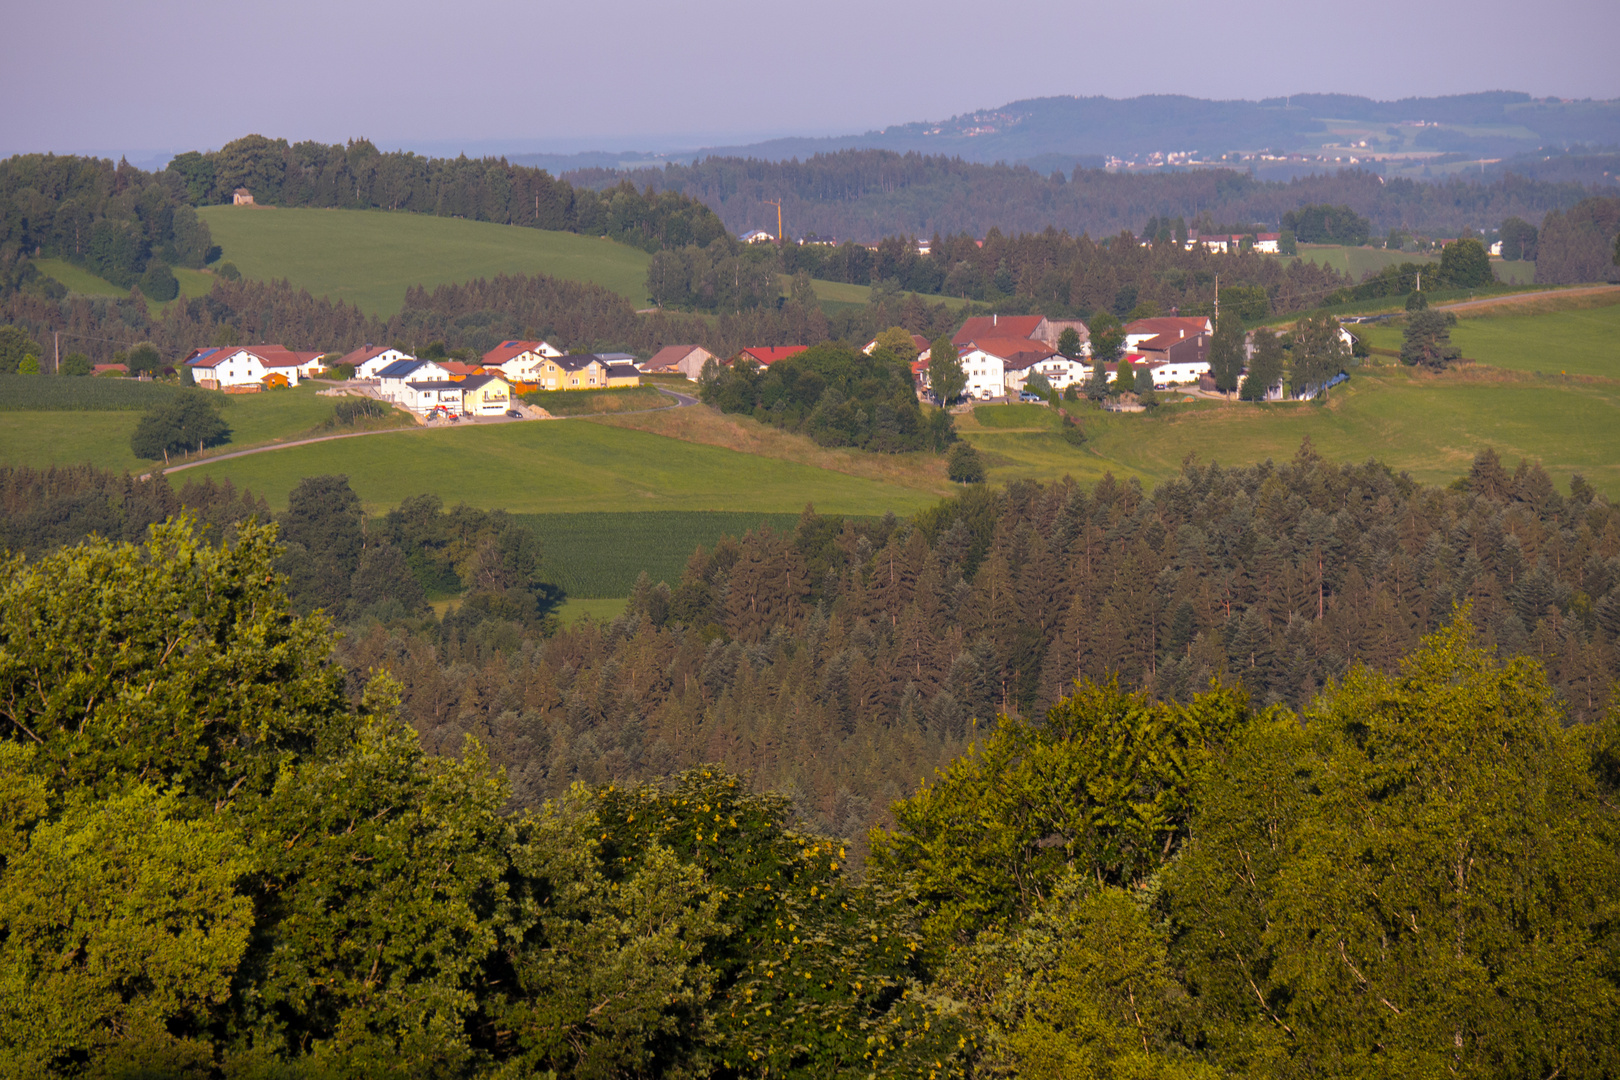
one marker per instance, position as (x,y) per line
(144,359)
(1125,377)
(1578,245)
(75,364)
(159,283)
(1316,354)
(187,422)
(1265,366)
(964,466)
(350,411)
(1426,341)
(1416,301)
(1518,238)
(1465,264)
(1226,354)
(837,396)
(1069,341)
(1287,243)
(1324,224)
(14,345)
(227,271)
(333,562)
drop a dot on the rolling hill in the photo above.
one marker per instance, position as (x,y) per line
(370,257)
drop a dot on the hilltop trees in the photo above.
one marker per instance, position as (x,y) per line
(1324,224)
(1464,264)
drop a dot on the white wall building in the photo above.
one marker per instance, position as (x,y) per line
(393,381)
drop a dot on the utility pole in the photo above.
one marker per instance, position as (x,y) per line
(778,204)
(1217,299)
(56,336)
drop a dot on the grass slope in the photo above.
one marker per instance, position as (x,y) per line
(565,466)
(40,438)
(78,280)
(370,257)
(1580,342)
(1358,261)
(1429,426)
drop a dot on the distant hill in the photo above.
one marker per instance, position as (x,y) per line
(1065,132)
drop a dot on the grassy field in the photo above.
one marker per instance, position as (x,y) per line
(1429,426)
(602,610)
(79,280)
(565,466)
(839,293)
(370,257)
(35,393)
(593,555)
(599,402)
(1579,342)
(1358,261)
(42,438)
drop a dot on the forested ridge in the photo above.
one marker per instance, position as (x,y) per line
(229,846)
(866,195)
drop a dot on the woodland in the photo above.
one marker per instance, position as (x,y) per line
(1335,794)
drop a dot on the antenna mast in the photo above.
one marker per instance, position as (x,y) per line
(778,204)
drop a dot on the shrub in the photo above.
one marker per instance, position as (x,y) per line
(964,466)
(159,282)
(190,421)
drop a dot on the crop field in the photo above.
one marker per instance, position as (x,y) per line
(599,402)
(565,466)
(596,555)
(1358,261)
(1578,342)
(370,257)
(41,437)
(47,392)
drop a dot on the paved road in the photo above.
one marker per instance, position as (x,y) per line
(682,401)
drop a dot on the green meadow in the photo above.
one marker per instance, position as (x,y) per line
(1358,261)
(1428,426)
(42,438)
(370,257)
(84,283)
(564,466)
(1577,342)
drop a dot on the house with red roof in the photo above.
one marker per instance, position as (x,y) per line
(994,367)
(1168,328)
(234,367)
(1033,327)
(766,355)
(520,361)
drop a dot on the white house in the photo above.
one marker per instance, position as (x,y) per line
(393,381)
(758,236)
(520,361)
(1000,365)
(251,365)
(1061,371)
(1170,328)
(985,372)
(370,359)
(424,397)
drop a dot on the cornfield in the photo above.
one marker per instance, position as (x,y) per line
(62,394)
(600,554)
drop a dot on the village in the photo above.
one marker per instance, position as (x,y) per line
(999,356)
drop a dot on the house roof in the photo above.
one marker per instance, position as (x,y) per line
(670,355)
(508,350)
(365,352)
(768,355)
(457,367)
(473,382)
(622,371)
(577,361)
(1177,326)
(437,384)
(1014,352)
(271,356)
(997,326)
(401,368)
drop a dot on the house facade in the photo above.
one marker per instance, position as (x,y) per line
(485,395)
(1169,327)
(687,360)
(393,381)
(621,374)
(520,361)
(425,397)
(1178,359)
(236,367)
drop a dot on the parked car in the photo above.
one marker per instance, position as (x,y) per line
(514,414)
(1027,395)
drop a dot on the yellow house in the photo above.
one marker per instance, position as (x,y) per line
(485,395)
(622,375)
(576,371)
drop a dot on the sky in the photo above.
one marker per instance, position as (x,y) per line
(149,79)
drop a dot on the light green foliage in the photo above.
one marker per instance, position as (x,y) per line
(14,345)
(1410,885)
(1125,377)
(29,365)
(945,375)
(1083,989)
(897,339)
(1265,367)
(175,663)
(1465,265)
(1101,785)
(1318,353)
(104,958)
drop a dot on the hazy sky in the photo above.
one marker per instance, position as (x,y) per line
(147,78)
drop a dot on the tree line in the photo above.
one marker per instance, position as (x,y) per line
(226,850)
(866,195)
